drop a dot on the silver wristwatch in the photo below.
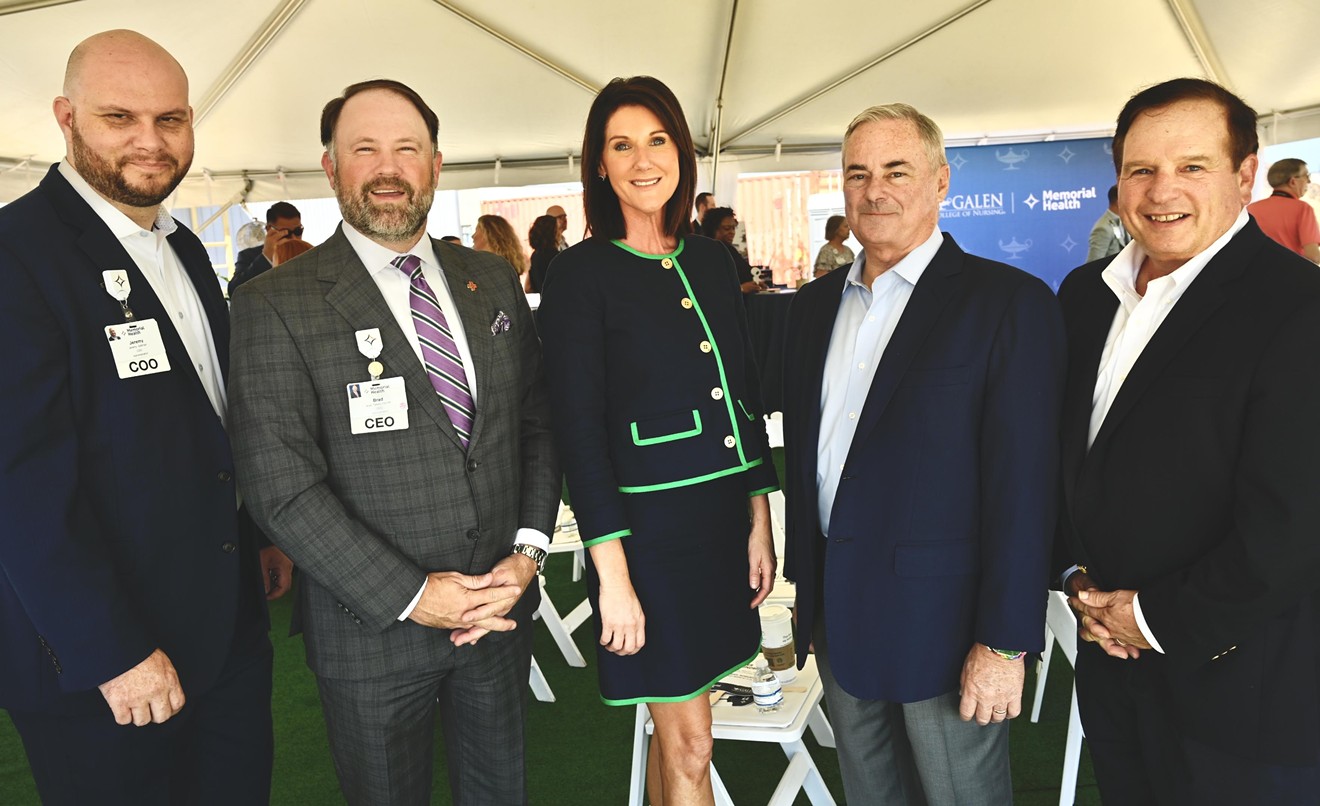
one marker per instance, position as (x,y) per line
(527,550)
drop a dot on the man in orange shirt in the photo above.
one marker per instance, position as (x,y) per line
(1284,216)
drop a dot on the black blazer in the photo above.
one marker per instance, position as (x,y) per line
(117,496)
(1202,491)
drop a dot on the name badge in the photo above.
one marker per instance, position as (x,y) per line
(377,406)
(137,348)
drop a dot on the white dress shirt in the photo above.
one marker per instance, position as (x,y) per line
(1135,322)
(863,327)
(395,287)
(156,260)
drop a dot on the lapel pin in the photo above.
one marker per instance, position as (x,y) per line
(472,286)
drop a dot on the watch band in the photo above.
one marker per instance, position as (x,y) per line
(536,554)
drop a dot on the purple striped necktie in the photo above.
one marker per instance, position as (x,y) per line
(440,354)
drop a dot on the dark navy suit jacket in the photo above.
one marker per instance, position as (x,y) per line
(117,496)
(941,526)
(1202,492)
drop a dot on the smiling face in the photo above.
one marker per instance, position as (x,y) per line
(1178,189)
(727,229)
(891,190)
(126,120)
(383,168)
(641,163)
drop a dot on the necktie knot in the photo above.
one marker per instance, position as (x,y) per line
(410,265)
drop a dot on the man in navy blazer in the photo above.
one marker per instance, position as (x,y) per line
(922,392)
(1190,473)
(136,666)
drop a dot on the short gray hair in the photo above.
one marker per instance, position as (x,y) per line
(927,129)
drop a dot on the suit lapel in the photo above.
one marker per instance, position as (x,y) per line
(475,316)
(356,297)
(1198,303)
(1086,338)
(105,252)
(933,291)
(197,264)
(818,323)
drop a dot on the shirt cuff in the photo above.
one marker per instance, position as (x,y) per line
(1063,578)
(1143,626)
(407,611)
(532,537)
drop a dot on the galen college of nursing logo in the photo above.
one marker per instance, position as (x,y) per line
(1011,158)
(1015,248)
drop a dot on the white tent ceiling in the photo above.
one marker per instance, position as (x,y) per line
(512,80)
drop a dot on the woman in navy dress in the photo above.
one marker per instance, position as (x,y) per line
(660,429)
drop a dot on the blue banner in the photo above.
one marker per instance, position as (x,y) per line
(1030,205)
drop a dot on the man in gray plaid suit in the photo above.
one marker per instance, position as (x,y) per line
(418,509)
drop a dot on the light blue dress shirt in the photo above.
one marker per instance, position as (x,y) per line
(866,321)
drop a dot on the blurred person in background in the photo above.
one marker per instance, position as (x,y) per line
(833,253)
(543,236)
(721,224)
(495,234)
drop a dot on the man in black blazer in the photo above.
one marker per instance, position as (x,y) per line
(1190,468)
(922,390)
(283,222)
(133,652)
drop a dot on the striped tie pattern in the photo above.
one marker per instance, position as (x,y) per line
(440,354)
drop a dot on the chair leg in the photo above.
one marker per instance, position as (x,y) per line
(540,686)
(722,796)
(1072,754)
(641,746)
(558,629)
(1042,672)
(821,727)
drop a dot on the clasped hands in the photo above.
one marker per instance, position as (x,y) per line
(1106,618)
(473,606)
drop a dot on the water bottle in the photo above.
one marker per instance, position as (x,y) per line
(767,693)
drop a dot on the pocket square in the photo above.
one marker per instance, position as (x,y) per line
(501,324)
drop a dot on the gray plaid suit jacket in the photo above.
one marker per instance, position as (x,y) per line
(366,517)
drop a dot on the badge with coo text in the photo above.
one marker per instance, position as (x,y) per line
(377,406)
(137,348)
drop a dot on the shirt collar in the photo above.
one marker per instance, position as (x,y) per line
(910,268)
(377,258)
(1121,273)
(121,226)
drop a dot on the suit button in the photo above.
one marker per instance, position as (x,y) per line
(717,393)
(474,534)
(729,441)
(472,466)
(228,548)
(705,347)
(667,263)
(224,475)
(686,303)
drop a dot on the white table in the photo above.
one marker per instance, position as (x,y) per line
(785,727)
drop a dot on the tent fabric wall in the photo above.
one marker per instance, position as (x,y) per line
(513,80)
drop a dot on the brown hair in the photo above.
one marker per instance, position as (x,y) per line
(544,233)
(502,241)
(289,249)
(1241,119)
(330,114)
(604,216)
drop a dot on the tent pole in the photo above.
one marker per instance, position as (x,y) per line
(563,72)
(719,99)
(251,51)
(1199,41)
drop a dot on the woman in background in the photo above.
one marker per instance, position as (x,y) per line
(833,253)
(544,239)
(660,430)
(495,234)
(721,224)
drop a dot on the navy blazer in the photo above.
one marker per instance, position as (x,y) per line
(941,527)
(117,496)
(1202,492)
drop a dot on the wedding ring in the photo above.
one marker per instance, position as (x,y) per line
(1000,710)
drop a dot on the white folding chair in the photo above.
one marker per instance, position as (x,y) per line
(1061,626)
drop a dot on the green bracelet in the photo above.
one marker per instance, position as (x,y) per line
(1005,654)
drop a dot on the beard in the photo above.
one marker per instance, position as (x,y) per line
(106,175)
(388,222)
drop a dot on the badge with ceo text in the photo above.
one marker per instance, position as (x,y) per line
(377,406)
(137,348)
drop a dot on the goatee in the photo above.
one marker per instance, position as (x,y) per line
(388,222)
(107,177)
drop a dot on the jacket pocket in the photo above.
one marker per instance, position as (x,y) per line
(666,428)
